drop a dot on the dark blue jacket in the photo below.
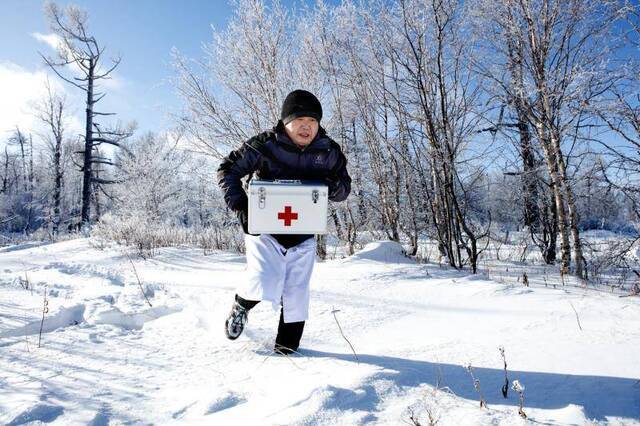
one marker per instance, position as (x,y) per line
(272,155)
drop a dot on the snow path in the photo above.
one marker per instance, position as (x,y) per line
(108,357)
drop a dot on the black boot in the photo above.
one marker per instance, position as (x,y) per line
(234,325)
(289,335)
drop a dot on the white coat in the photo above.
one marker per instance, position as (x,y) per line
(279,275)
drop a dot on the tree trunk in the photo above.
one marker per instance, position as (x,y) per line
(549,224)
(573,214)
(95,195)
(336,221)
(321,250)
(57,190)
(21,141)
(529,185)
(5,177)
(531,214)
(550,156)
(88,152)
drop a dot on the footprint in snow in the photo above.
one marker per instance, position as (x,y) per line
(102,417)
(64,317)
(45,413)
(93,337)
(225,402)
(133,321)
(180,413)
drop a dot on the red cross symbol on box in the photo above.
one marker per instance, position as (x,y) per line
(287,216)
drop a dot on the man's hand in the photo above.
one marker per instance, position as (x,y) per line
(243,218)
(242,204)
(332,181)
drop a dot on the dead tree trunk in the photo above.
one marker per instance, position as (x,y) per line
(88,146)
(82,51)
(5,175)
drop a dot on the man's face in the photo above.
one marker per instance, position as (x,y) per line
(302,130)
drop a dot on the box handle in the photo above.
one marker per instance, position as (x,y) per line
(315,195)
(289,181)
(262,197)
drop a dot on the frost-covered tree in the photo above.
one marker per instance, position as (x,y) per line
(550,58)
(166,196)
(51,112)
(328,33)
(150,180)
(437,99)
(237,90)
(619,110)
(79,62)
(360,62)
(19,204)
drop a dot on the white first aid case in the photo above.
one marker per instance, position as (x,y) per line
(287,207)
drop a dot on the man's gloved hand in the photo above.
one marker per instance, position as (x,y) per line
(243,218)
(241,203)
(332,181)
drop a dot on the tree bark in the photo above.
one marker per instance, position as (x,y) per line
(88,151)
(550,155)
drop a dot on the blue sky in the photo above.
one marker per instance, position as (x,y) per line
(142,31)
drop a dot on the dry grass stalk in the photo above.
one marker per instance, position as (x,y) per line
(520,389)
(505,387)
(577,317)
(135,271)
(476,386)
(333,311)
(45,310)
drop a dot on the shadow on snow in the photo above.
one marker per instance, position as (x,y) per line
(601,396)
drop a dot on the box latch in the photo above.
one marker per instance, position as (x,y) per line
(262,197)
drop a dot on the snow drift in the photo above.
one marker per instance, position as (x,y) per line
(382,251)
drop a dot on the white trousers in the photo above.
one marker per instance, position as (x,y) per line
(278,275)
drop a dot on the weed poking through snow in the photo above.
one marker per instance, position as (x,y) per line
(520,389)
(429,407)
(45,310)
(476,386)
(413,418)
(25,283)
(333,311)
(135,271)
(505,387)
(577,317)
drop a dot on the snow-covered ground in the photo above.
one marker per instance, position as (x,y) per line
(107,357)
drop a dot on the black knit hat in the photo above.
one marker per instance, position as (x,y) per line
(300,103)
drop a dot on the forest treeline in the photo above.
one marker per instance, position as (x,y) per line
(461,121)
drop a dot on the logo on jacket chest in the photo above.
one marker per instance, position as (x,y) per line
(318,159)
